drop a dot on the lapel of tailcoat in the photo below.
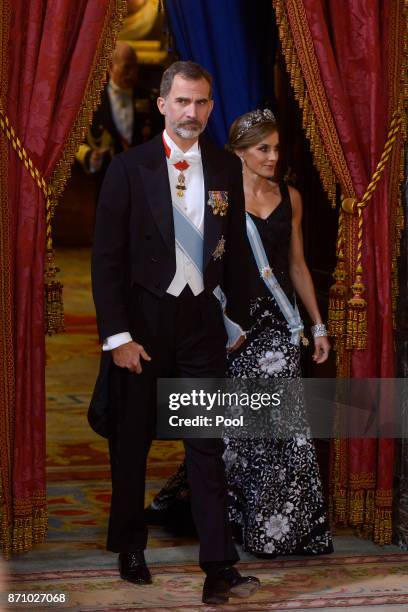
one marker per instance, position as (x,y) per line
(157,188)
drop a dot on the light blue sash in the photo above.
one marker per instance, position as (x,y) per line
(290,313)
(189,238)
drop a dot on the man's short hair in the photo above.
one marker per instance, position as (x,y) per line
(188,70)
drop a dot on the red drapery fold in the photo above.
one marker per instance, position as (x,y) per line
(345,60)
(351,43)
(58,53)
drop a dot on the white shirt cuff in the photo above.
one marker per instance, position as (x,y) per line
(112,342)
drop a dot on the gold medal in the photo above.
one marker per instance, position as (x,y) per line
(181,185)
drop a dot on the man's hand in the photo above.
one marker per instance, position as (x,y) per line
(128,356)
(237,344)
(322,348)
(96,159)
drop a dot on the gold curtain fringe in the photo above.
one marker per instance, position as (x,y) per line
(30,530)
(382,526)
(309,122)
(338,508)
(20,533)
(356,503)
(360,510)
(91,100)
(362,480)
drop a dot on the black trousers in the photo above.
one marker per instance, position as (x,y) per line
(190,342)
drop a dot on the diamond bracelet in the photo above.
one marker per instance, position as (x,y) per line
(318,330)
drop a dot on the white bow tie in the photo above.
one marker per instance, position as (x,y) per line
(192,157)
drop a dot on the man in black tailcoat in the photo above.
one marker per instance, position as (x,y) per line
(125,117)
(158,317)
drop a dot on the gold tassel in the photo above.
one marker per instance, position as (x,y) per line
(339,508)
(53,302)
(356,337)
(356,507)
(337,302)
(382,526)
(369,508)
(54,307)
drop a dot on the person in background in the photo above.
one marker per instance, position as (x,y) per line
(126,116)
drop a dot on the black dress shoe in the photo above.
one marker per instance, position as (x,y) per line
(228,583)
(154,516)
(133,568)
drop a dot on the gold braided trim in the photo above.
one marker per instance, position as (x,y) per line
(351,205)
(302,94)
(356,330)
(97,76)
(54,314)
(23,155)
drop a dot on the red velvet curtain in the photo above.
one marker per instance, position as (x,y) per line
(352,42)
(348,57)
(58,54)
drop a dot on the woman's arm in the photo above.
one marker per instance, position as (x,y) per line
(301,278)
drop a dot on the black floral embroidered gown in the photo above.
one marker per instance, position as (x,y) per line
(275,494)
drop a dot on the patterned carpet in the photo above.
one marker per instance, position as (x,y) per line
(347,583)
(358,577)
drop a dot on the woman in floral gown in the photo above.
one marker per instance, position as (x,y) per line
(275,493)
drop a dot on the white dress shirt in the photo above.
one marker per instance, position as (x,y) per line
(192,205)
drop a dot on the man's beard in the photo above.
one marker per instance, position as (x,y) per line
(188,130)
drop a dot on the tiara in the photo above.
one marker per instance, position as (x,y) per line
(253,118)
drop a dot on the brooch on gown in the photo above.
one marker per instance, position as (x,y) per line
(266,272)
(219,249)
(218,200)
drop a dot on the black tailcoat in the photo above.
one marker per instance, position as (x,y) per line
(133,264)
(134,249)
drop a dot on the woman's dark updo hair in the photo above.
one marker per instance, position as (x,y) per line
(250,129)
